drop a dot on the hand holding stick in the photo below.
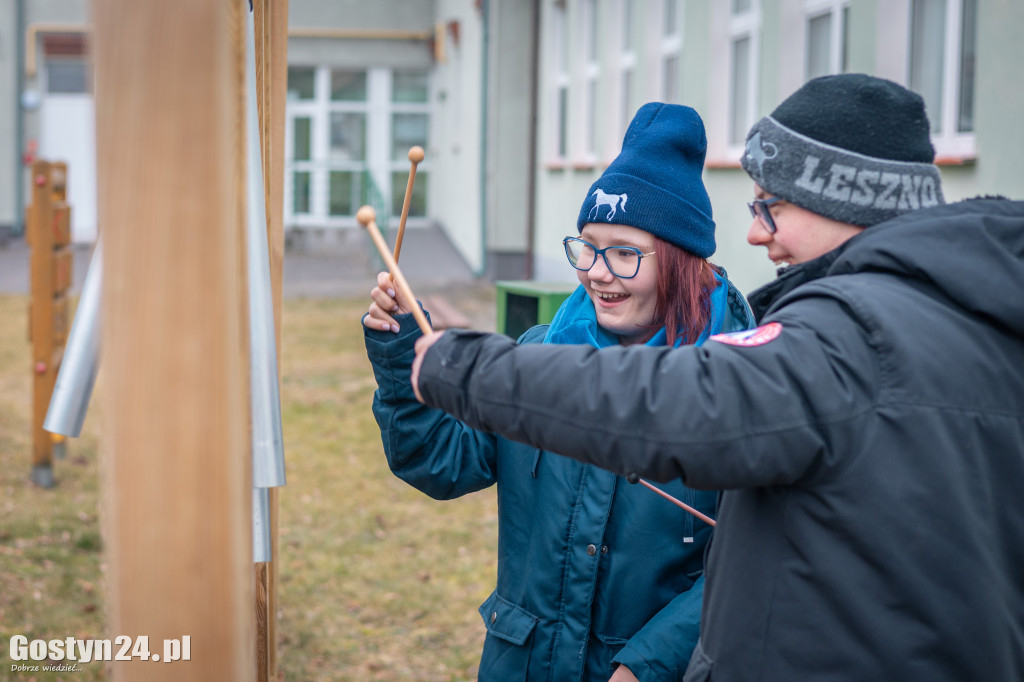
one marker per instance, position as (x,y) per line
(415,156)
(366,217)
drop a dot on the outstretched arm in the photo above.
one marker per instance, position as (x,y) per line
(717,415)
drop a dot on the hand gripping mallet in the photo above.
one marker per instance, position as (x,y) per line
(415,156)
(366,217)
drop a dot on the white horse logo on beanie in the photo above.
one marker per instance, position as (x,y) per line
(610,200)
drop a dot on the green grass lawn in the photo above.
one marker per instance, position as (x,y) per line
(376,581)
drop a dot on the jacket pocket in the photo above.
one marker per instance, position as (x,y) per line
(506,653)
(506,620)
(700,667)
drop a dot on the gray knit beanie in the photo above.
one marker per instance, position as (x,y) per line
(851,147)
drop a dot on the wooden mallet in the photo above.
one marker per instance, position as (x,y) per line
(367,217)
(415,156)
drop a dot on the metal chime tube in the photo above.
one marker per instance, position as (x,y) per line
(77,374)
(267,440)
(261,548)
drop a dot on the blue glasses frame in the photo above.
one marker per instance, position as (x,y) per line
(601,252)
(759,209)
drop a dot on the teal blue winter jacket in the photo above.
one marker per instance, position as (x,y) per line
(593,571)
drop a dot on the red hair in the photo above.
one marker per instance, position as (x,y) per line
(685,283)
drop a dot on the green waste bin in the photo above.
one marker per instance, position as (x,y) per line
(523,304)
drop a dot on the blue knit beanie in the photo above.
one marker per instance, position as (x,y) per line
(655,184)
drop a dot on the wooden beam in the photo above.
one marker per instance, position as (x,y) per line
(271,20)
(177,466)
(32,32)
(360,34)
(48,230)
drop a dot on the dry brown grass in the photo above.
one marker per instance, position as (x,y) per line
(376,581)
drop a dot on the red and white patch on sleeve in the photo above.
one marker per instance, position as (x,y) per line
(758,336)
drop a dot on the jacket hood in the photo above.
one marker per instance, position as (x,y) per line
(971,252)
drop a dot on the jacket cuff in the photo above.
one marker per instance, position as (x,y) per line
(382,344)
(642,669)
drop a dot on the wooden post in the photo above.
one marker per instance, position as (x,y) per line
(48,231)
(177,478)
(271,19)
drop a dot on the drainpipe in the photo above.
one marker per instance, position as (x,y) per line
(19,117)
(531,171)
(485,66)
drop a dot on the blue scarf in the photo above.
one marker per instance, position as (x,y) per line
(576,321)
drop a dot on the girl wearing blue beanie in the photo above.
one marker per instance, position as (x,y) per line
(597,579)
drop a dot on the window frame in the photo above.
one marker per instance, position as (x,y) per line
(746,25)
(586,145)
(558,65)
(401,164)
(951,145)
(378,110)
(836,10)
(671,47)
(626,11)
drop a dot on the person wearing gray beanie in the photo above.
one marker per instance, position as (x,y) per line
(867,434)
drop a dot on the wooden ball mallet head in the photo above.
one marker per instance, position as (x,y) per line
(367,218)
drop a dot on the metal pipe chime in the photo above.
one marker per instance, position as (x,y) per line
(267,439)
(261,542)
(77,374)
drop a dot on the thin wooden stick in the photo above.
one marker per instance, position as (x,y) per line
(703,517)
(366,217)
(415,156)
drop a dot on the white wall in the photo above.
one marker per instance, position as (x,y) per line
(68,134)
(455,194)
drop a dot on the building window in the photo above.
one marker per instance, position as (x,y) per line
(67,68)
(744,26)
(740,79)
(627,65)
(301,154)
(943,41)
(348,86)
(560,70)
(591,71)
(301,82)
(410,127)
(339,156)
(301,193)
(671,44)
(348,136)
(410,86)
(826,30)
(345,193)
(418,202)
(67,76)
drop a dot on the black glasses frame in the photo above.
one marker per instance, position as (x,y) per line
(601,252)
(759,209)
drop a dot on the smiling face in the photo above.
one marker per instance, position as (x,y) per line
(625,307)
(800,235)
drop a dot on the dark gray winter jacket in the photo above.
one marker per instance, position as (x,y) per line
(870,439)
